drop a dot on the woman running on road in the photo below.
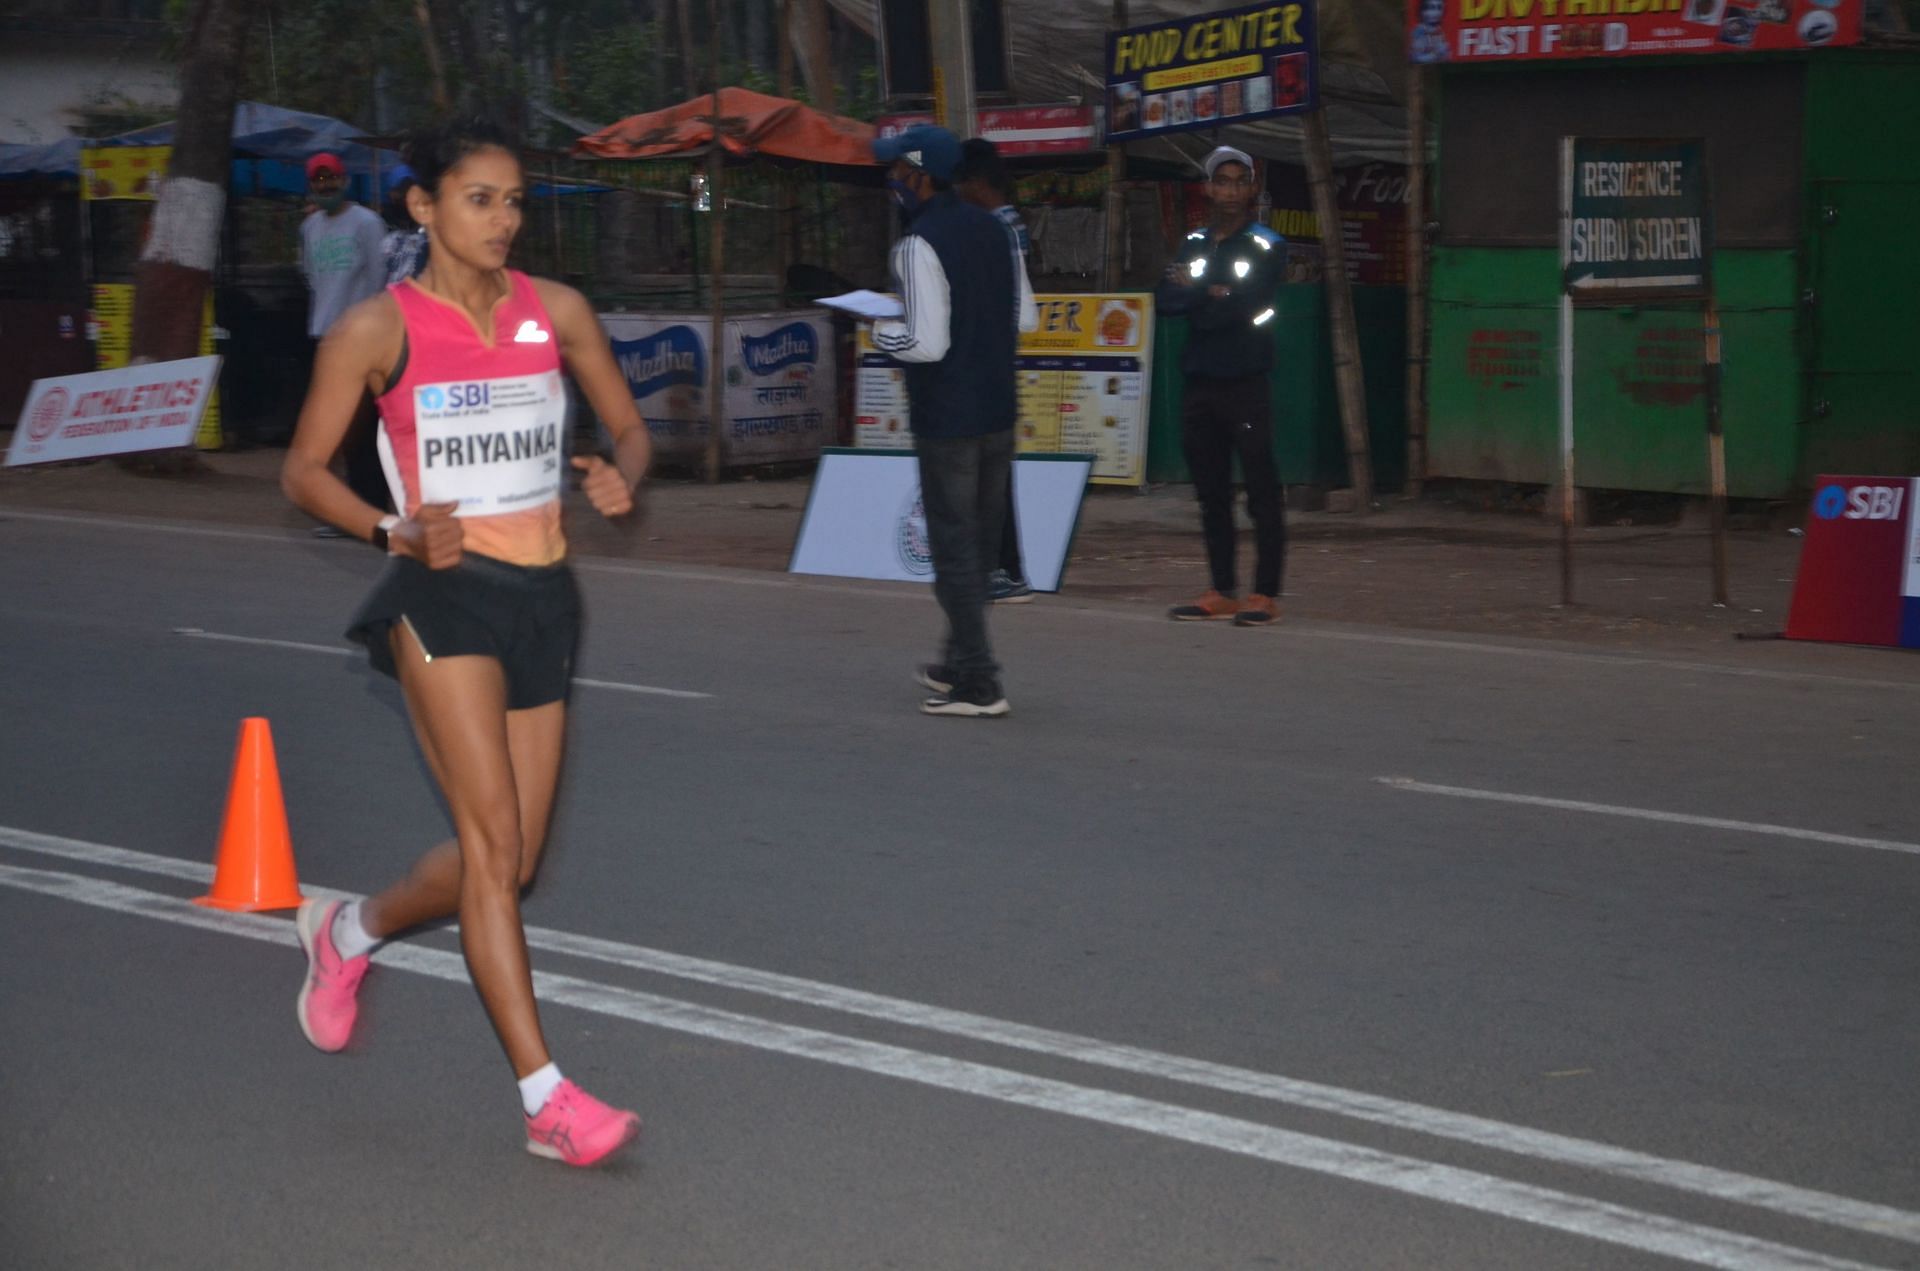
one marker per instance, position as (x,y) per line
(477,615)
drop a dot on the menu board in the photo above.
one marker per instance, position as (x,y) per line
(1082,379)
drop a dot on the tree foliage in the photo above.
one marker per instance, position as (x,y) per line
(368,61)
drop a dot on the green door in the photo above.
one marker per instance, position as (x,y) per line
(1863,311)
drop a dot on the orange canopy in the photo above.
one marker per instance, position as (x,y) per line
(750,123)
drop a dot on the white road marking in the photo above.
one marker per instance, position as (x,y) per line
(195,633)
(1522,1202)
(1784,1198)
(1650,814)
(1065,603)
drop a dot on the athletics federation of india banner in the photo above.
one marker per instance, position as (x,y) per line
(154,406)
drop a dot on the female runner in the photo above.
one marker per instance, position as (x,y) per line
(477,614)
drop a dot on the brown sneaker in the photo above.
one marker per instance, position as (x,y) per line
(1257,611)
(1211,605)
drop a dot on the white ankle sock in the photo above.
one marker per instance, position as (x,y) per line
(350,939)
(537,1085)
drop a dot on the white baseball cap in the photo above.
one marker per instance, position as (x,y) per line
(1226,154)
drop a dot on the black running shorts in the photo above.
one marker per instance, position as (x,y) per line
(525,618)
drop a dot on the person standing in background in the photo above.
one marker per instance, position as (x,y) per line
(1224,282)
(405,247)
(343,257)
(983,181)
(961,284)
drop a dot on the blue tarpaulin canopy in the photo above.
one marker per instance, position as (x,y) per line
(271,146)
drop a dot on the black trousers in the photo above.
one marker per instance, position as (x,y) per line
(963,490)
(1220,419)
(1010,541)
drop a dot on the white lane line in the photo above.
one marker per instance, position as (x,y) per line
(195,633)
(1485,1193)
(1704,1180)
(1065,603)
(1650,814)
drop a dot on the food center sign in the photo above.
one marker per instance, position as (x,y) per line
(1515,30)
(1637,223)
(1216,68)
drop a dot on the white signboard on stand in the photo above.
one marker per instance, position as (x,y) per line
(153,406)
(864,518)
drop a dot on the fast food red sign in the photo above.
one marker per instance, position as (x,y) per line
(1517,30)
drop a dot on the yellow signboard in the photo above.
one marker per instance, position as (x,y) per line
(111,329)
(1083,378)
(123,172)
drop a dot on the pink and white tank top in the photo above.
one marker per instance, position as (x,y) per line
(480,422)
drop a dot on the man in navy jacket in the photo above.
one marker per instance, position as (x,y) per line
(964,291)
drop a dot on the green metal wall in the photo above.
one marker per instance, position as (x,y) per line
(1820,370)
(1863,265)
(1308,441)
(1639,407)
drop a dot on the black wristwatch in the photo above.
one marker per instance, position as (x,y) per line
(380,532)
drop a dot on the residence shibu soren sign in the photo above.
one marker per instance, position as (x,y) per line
(1637,222)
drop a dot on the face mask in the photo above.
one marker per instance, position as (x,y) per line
(328,202)
(904,196)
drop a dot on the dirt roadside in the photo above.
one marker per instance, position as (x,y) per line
(1449,563)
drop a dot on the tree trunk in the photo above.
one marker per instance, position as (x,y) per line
(812,41)
(689,66)
(183,238)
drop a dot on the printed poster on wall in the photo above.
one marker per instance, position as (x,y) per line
(779,383)
(1227,67)
(1083,379)
(1518,30)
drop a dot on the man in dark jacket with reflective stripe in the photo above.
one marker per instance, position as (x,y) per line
(1224,282)
(961,283)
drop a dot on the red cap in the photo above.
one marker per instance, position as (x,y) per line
(327,163)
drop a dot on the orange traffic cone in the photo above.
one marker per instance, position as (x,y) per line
(254,869)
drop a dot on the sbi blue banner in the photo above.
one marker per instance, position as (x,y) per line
(1226,67)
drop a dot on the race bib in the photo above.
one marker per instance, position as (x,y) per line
(490,446)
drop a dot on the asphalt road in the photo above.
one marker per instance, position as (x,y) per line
(1322,947)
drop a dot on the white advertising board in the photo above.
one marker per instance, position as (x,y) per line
(780,386)
(154,406)
(864,519)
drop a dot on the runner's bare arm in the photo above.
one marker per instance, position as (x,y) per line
(584,347)
(354,358)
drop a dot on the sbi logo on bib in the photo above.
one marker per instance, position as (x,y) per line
(435,398)
(1862,503)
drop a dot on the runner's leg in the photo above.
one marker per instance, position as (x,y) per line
(431,889)
(458,706)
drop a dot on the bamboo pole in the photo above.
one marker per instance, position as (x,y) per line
(1716,453)
(716,262)
(1348,378)
(1116,208)
(1416,246)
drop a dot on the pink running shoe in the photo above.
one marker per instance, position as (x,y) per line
(575,1127)
(327,1004)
